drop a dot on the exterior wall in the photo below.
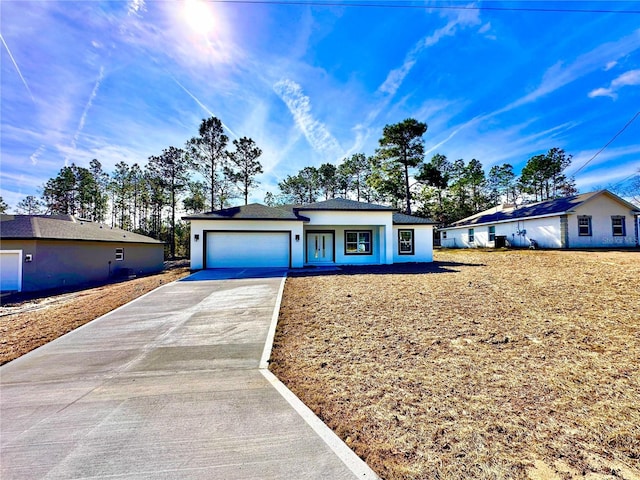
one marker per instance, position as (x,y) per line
(199,227)
(601,209)
(545,231)
(59,264)
(378,221)
(422,244)
(384,236)
(378,249)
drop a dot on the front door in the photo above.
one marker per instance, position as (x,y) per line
(319,247)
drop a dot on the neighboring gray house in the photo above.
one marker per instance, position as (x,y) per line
(590,220)
(331,232)
(40,252)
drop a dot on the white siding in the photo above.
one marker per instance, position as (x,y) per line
(378,253)
(423,244)
(545,231)
(600,209)
(199,227)
(378,221)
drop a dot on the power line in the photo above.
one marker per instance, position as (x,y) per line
(608,143)
(316,3)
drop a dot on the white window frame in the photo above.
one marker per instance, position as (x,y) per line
(472,235)
(492,233)
(119,254)
(586,222)
(404,242)
(622,226)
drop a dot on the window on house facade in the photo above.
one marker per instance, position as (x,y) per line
(358,242)
(618,226)
(492,233)
(471,235)
(444,235)
(119,254)
(405,242)
(584,226)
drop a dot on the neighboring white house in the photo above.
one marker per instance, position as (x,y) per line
(332,232)
(590,220)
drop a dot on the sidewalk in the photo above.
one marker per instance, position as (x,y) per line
(168,386)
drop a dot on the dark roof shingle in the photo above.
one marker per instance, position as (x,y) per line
(548,207)
(404,219)
(64,227)
(253,211)
(342,204)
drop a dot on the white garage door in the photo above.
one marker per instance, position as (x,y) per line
(10,270)
(247,249)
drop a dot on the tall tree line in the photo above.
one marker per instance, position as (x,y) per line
(203,175)
(398,174)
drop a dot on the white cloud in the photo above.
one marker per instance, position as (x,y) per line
(630,78)
(314,131)
(610,65)
(83,117)
(485,28)
(136,6)
(35,155)
(204,107)
(15,64)
(561,74)
(461,19)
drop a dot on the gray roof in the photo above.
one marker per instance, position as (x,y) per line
(257,211)
(556,206)
(253,211)
(64,227)
(403,219)
(342,204)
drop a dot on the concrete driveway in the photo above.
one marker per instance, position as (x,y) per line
(168,386)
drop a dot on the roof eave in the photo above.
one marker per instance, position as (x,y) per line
(517,219)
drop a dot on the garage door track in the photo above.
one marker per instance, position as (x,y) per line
(167,386)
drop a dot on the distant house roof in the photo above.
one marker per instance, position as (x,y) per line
(64,227)
(403,219)
(556,206)
(342,204)
(253,211)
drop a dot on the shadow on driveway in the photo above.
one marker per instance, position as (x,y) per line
(235,273)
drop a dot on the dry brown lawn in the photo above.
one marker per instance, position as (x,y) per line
(29,324)
(486,364)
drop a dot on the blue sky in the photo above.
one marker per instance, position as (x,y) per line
(120,81)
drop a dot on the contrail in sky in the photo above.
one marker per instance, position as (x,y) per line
(202,106)
(83,118)
(17,68)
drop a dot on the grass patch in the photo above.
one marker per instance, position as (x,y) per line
(488,365)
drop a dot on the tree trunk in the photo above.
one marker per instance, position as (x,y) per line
(406,186)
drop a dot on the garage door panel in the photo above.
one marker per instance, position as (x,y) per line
(247,249)
(10,270)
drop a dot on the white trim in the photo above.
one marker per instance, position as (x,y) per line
(342,451)
(268,345)
(354,463)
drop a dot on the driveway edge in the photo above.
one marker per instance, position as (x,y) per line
(352,461)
